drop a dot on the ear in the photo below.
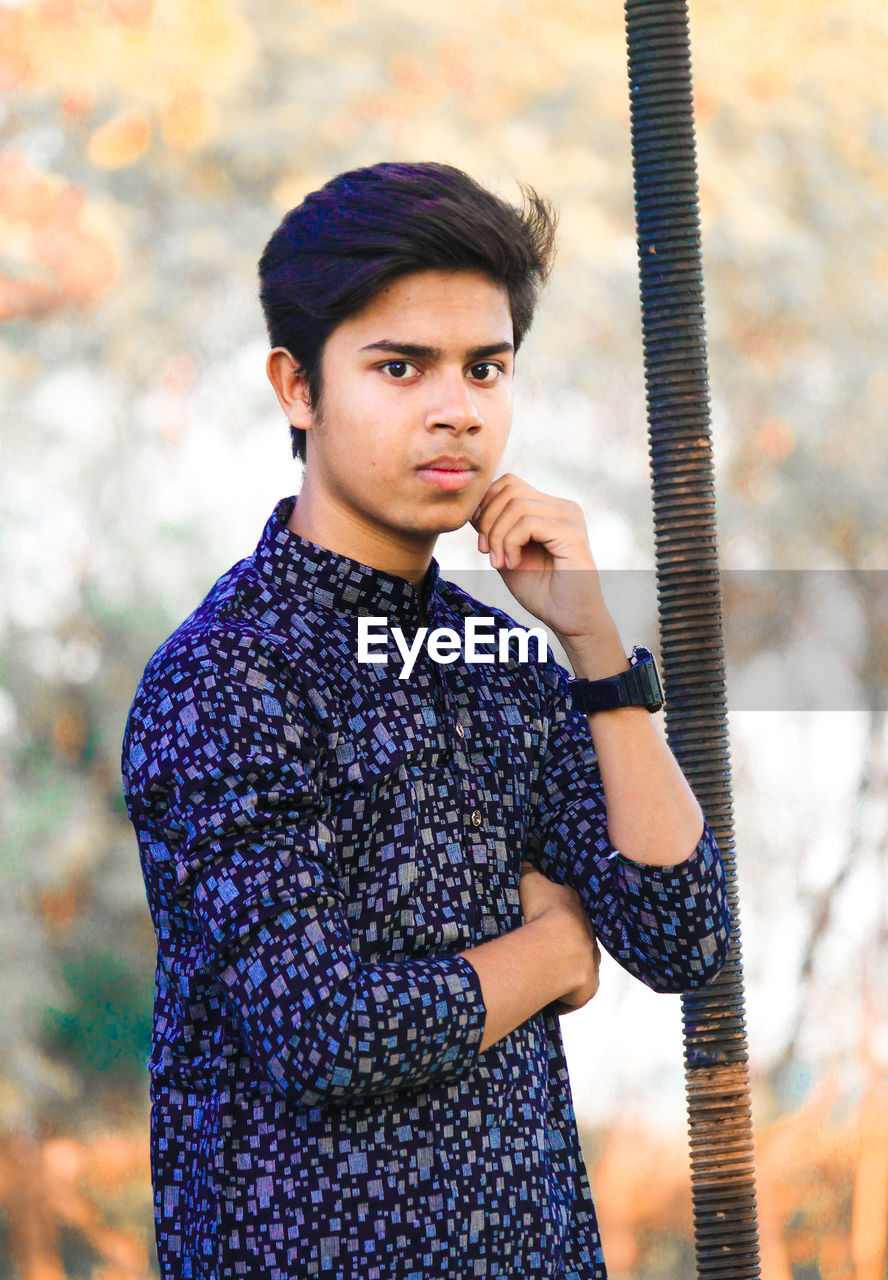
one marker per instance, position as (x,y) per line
(291,387)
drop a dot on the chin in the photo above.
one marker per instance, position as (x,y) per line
(445,521)
(431,518)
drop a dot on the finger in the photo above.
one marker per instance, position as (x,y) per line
(508,502)
(508,487)
(557,536)
(513,531)
(498,494)
(511,487)
(501,512)
(494,491)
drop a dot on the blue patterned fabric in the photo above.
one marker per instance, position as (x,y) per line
(318,840)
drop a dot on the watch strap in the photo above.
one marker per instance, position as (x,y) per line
(638,687)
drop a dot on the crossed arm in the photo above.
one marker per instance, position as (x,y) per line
(256,864)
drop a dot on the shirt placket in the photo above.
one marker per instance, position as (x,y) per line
(457,721)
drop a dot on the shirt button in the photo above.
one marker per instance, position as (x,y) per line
(460,731)
(476,817)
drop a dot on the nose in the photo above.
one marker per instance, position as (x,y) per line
(454,405)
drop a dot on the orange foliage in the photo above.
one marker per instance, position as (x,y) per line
(459,67)
(60,1182)
(188,120)
(15,65)
(59,908)
(822,1189)
(69,733)
(57,10)
(148,55)
(78,102)
(869,1207)
(25,195)
(641,1183)
(132,13)
(777,437)
(61,260)
(120,141)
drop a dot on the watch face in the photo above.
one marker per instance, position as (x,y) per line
(649,680)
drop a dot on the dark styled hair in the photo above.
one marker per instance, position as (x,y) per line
(364,228)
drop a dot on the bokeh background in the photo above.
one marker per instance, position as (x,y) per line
(148,148)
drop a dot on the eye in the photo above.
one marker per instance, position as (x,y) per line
(398,368)
(485,367)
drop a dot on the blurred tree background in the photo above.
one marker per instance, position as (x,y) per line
(148,148)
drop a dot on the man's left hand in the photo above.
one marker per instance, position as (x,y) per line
(540,547)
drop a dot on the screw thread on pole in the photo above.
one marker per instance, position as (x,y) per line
(680,446)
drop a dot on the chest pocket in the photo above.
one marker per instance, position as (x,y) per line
(379,760)
(502,741)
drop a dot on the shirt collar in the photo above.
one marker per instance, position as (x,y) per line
(298,567)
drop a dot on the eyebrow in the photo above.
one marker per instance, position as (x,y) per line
(435,353)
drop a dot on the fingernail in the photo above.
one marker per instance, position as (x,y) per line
(492,560)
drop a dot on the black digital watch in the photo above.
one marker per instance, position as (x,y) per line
(638,687)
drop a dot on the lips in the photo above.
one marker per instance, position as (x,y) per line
(447,463)
(447,472)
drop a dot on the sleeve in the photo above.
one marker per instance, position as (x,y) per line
(255,864)
(669,926)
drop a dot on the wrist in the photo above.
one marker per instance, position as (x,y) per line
(561,949)
(596,656)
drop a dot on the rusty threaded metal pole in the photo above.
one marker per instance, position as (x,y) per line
(676,377)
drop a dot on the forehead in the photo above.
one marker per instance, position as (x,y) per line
(434,306)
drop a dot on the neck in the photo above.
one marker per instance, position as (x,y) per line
(320,519)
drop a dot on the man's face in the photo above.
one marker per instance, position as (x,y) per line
(423,371)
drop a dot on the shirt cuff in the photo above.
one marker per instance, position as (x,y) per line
(698,865)
(684,921)
(468,1009)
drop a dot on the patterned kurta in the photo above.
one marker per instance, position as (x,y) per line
(319,838)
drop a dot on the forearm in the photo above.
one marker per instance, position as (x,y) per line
(667,924)
(652,814)
(523,971)
(356,1030)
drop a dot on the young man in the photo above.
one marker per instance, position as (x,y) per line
(375,894)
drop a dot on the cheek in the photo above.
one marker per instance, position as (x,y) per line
(351,424)
(362,448)
(500,427)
